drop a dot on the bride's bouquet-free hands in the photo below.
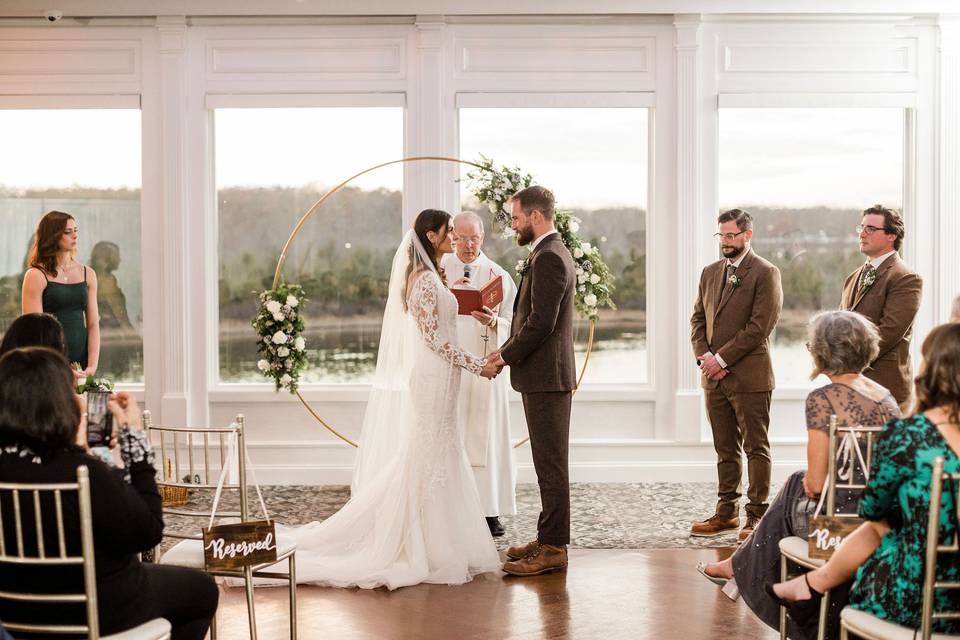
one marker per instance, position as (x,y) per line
(493,364)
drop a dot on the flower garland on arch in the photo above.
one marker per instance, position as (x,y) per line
(279,321)
(494,186)
(279,324)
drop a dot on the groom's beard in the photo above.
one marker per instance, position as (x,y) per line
(732,253)
(525,236)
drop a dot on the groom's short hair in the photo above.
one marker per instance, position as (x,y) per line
(535,197)
(743,219)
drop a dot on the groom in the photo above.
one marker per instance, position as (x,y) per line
(540,355)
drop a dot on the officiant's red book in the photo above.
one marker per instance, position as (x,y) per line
(489,295)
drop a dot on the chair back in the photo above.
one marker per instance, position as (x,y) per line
(202,453)
(855,445)
(41,506)
(934,549)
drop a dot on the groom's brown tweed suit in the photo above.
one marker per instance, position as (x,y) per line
(542,369)
(735,323)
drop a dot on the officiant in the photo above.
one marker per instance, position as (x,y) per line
(484,404)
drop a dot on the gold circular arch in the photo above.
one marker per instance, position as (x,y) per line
(316,205)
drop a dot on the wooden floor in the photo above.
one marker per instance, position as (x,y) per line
(605,594)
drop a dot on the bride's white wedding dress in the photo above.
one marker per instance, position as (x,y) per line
(415,514)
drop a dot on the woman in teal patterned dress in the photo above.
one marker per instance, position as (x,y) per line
(57,284)
(887,552)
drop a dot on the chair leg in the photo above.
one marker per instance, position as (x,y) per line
(213,626)
(844,634)
(292,564)
(824,615)
(783,610)
(251,614)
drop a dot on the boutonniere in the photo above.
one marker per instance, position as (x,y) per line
(869,278)
(734,281)
(523,266)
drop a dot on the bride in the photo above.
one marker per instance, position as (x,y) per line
(414,514)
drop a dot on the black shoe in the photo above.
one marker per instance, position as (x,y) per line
(801,611)
(496,529)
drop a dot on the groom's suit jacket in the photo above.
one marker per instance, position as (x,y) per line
(891,303)
(540,348)
(735,322)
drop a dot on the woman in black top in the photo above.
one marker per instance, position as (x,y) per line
(38,444)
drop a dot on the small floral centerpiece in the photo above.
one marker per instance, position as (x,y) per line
(279,324)
(494,186)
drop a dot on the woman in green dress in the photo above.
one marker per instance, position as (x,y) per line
(57,284)
(886,553)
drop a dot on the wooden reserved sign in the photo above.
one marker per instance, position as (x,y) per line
(229,546)
(827,533)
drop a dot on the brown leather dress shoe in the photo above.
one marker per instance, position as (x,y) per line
(515,553)
(752,522)
(715,525)
(545,559)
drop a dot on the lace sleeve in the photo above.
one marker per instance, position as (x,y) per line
(423,307)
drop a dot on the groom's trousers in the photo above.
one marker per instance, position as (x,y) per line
(548,421)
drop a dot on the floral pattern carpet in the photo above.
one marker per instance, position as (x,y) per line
(603,515)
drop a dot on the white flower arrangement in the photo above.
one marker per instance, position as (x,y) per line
(279,324)
(495,186)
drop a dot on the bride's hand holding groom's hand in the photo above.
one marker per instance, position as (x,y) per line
(492,366)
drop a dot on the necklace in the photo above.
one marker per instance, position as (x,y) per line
(62,274)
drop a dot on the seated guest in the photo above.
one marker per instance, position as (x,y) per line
(34,330)
(842,344)
(39,444)
(886,552)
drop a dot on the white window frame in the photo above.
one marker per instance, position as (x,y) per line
(218,390)
(637,391)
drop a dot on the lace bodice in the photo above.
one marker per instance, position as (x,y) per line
(434,309)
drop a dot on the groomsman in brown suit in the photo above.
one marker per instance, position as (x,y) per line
(886,291)
(542,369)
(737,307)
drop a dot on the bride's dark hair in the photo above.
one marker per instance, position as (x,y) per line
(427,220)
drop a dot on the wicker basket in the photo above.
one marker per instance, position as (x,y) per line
(174,496)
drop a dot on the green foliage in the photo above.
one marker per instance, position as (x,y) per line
(279,324)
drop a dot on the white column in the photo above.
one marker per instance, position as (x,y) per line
(688,218)
(172,295)
(948,174)
(428,122)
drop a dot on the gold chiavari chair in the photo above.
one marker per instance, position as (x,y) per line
(40,504)
(869,627)
(203,452)
(796,549)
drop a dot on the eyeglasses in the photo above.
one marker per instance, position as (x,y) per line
(869,229)
(728,236)
(473,239)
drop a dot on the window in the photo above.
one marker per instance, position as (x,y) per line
(595,160)
(805,174)
(85,162)
(271,166)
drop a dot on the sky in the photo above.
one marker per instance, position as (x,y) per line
(590,157)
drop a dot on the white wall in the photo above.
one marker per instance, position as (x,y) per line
(682,66)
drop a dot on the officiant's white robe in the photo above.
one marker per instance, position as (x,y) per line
(484,404)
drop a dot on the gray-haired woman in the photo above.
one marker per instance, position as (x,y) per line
(842,344)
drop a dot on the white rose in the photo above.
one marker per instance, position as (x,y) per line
(279,338)
(578,253)
(285,379)
(266,339)
(283,352)
(263,365)
(273,307)
(574,227)
(590,300)
(585,246)
(594,279)
(299,344)
(292,301)
(582,278)
(278,317)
